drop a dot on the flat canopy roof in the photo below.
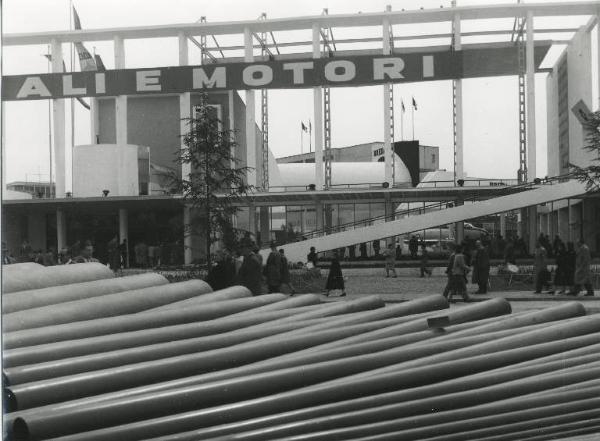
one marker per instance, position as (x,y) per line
(510,10)
(272,198)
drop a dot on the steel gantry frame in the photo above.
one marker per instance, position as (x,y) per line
(328,42)
(264,107)
(518,39)
(391,101)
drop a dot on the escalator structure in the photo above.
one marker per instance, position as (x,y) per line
(433,216)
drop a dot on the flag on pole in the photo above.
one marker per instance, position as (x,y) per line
(78,98)
(303,127)
(99,64)
(86,61)
(402,104)
(414,103)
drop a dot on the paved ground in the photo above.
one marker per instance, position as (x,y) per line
(408,285)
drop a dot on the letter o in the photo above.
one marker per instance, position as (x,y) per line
(257,75)
(340,70)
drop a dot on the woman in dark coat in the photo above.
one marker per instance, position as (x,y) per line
(335,280)
(570,264)
(250,273)
(561,276)
(222,275)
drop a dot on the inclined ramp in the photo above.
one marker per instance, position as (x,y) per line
(297,251)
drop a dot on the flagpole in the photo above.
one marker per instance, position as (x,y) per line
(402,123)
(72,100)
(413,120)
(301,140)
(309,136)
(50,130)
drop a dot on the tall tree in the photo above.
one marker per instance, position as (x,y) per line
(590,174)
(217,181)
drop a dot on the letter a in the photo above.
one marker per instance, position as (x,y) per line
(33,86)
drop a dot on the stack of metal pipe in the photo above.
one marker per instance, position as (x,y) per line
(137,358)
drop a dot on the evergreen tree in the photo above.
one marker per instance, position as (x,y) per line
(590,174)
(216,182)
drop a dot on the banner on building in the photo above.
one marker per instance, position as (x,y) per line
(336,71)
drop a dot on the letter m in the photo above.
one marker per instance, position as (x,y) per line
(203,81)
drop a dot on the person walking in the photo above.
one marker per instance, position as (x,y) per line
(481,267)
(561,273)
(312,257)
(390,260)
(539,267)
(273,270)
(114,256)
(413,247)
(459,275)
(583,271)
(285,273)
(449,289)
(222,274)
(249,274)
(424,261)
(335,279)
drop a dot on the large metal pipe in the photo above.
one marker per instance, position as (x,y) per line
(262,366)
(556,313)
(147,321)
(505,412)
(230,293)
(108,305)
(95,345)
(21,266)
(402,335)
(326,425)
(290,302)
(51,424)
(562,426)
(104,360)
(36,298)
(80,385)
(560,330)
(13,281)
(457,385)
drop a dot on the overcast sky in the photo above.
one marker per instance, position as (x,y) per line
(490,115)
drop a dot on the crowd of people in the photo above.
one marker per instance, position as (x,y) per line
(246,268)
(77,253)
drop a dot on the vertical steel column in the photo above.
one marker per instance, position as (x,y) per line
(61,229)
(318,112)
(250,116)
(531,135)
(58,110)
(3,130)
(522,173)
(264,117)
(530,83)
(598,57)
(327,132)
(185,113)
(203,50)
(457,105)
(387,108)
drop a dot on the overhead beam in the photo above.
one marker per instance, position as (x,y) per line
(297,23)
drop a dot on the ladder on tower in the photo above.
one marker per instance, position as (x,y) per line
(518,38)
(264,112)
(329,47)
(391,105)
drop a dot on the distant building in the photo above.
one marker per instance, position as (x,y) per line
(35,189)
(429,157)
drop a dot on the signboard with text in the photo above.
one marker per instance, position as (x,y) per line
(279,74)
